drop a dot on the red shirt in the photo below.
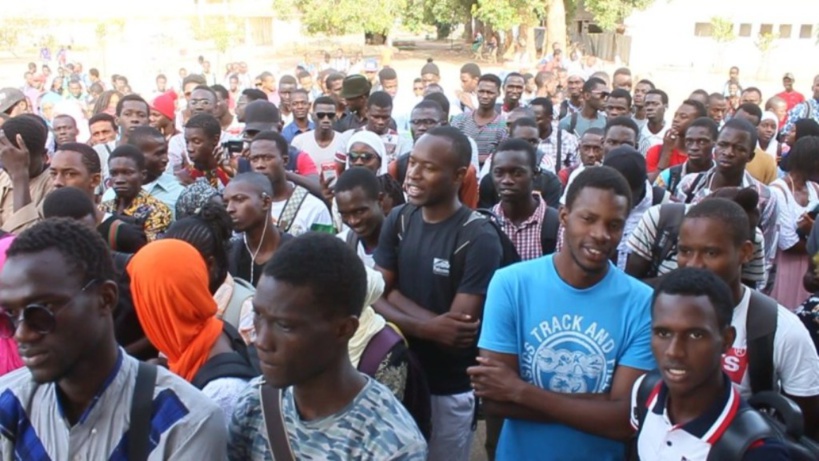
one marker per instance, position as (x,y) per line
(653,158)
(793,98)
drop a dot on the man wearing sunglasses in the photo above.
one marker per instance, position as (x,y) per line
(595,92)
(73,398)
(323,142)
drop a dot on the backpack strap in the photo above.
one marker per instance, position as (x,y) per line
(657,195)
(573,123)
(693,189)
(747,427)
(402,162)
(242,290)
(377,349)
(352,240)
(674,176)
(403,218)
(226,365)
(647,385)
(761,324)
(548,230)
(139,427)
(273,417)
(291,208)
(559,159)
(665,239)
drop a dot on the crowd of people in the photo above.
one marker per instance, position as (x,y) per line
(337,265)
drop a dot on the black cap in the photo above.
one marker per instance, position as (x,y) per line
(261,116)
(355,86)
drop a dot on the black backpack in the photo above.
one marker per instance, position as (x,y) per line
(665,239)
(234,364)
(770,415)
(549,230)
(469,230)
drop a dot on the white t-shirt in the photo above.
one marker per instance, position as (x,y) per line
(796,363)
(307,142)
(365,257)
(312,211)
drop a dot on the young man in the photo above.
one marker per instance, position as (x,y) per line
(158,182)
(751,95)
(354,91)
(621,80)
(717,108)
(379,121)
(699,141)
(595,92)
(715,234)
(361,206)
(65,129)
(132,111)
(287,85)
(792,98)
(590,153)
(307,305)
(300,105)
(77,382)
(618,103)
(127,167)
(247,200)
(545,336)
(763,165)
(438,310)
(485,125)
(548,133)
(323,143)
(513,86)
(641,89)
(653,131)
(78,165)
(24,179)
(103,128)
(467,96)
(808,109)
(672,150)
(574,101)
(690,331)
(202,144)
(294,209)
(734,149)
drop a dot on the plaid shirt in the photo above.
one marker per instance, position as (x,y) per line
(488,137)
(525,237)
(568,149)
(768,214)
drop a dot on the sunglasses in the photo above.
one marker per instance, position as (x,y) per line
(38,317)
(321,115)
(365,156)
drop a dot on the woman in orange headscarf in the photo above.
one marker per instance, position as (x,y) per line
(169,285)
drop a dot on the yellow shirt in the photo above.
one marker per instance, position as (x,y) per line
(762,167)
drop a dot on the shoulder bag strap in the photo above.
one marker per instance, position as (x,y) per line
(379,346)
(693,189)
(549,230)
(761,327)
(141,408)
(559,159)
(291,208)
(274,422)
(573,123)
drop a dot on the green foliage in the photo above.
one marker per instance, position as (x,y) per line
(223,32)
(722,30)
(9,34)
(506,14)
(764,42)
(609,13)
(339,17)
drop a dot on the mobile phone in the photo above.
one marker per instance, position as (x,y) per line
(328,172)
(233,147)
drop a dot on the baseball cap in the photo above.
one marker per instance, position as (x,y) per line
(789,76)
(9,97)
(370,65)
(354,86)
(261,116)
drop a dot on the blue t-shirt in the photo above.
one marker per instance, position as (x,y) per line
(567,340)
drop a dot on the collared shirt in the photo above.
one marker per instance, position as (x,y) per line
(698,186)
(631,223)
(165,188)
(807,109)
(526,236)
(292,130)
(660,438)
(488,136)
(184,424)
(154,215)
(17,221)
(648,139)
(568,149)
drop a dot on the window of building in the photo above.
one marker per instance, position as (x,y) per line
(744,30)
(806,31)
(766,29)
(703,29)
(785,30)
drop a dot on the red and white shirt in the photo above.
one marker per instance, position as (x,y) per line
(526,236)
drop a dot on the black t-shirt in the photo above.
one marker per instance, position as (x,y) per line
(239,259)
(421,262)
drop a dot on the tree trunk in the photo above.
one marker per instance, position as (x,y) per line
(528,32)
(469,34)
(555,26)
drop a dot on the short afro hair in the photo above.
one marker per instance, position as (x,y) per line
(141,134)
(31,130)
(707,123)
(82,248)
(254,94)
(89,157)
(359,177)
(745,126)
(601,177)
(380,99)
(130,152)
(328,267)
(133,98)
(460,143)
(68,202)
(545,103)
(698,106)
(257,180)
(620,93)
(689,281)
(281,141)
(732,216)
(519,145)
(207,123)
(490,78)
(592,83)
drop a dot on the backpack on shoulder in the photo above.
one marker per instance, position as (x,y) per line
(416,399)
(234,364)
(549,230)
(665,239)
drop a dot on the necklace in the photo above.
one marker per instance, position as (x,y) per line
(258,249)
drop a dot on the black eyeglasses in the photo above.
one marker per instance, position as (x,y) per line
(321,115)
(365,156)
(38,317)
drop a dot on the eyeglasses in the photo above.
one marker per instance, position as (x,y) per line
(364,156)
(424,122)
(321,115)
(38,317)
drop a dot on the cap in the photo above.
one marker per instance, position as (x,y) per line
(371,65)
(164,104)
(261,116)
(354,86)
(789,76)
(9,97)
(630,163)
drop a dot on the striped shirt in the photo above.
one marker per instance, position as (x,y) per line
(184,423)
(526,236)
(488,137)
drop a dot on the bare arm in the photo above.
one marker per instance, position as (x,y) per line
(810,411)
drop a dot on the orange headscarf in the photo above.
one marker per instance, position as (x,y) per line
(169,284)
